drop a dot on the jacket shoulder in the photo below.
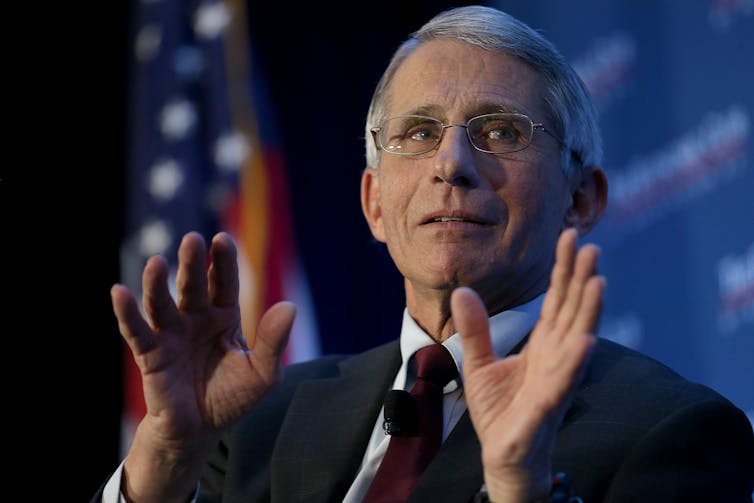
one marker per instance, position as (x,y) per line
(615,365)
(635,419)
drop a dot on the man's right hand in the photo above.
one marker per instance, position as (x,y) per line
(198,374)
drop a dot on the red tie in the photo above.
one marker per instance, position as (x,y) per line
(408,455)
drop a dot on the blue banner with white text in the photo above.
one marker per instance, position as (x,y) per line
(673,84)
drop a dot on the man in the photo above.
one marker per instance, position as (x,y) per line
(483,169)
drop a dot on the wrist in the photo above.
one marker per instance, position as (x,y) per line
(561,491)
(161,471)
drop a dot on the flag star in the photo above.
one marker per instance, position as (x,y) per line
(148,42)
(230,151)
(177,118)
(155,238)
(211,20)
(165,177)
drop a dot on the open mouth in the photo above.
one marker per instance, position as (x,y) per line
(450,219)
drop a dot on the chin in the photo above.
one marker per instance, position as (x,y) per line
(450,275)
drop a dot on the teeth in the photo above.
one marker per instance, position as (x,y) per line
(449,219)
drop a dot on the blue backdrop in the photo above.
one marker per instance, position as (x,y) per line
(673,82)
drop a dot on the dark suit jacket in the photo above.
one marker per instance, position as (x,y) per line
(637,432)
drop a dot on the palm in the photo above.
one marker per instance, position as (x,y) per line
(198,374)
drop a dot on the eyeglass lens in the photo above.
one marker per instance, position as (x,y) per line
(495,133)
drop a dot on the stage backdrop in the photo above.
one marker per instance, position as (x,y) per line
(673,82)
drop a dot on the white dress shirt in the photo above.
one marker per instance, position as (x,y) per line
(506,330)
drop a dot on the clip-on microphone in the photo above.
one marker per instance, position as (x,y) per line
(400,413)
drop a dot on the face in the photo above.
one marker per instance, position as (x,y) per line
(456,216)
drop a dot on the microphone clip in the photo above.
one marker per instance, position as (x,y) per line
(401,416)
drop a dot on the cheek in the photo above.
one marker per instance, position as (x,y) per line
(395,198)
(546,188)
(387,206)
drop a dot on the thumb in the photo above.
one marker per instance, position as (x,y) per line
(472,324)
(272,336)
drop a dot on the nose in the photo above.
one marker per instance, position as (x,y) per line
(454,161)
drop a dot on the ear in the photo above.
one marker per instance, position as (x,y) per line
(589,201)
(370,202)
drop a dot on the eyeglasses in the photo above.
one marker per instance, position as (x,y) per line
(498,133)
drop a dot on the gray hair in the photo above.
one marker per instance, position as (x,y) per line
(567,99)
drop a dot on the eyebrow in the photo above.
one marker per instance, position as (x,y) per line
(428,110)
(436,111)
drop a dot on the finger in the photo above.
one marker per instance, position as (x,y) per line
(223,271)
(471,321)
(561,274)
(591,306)
(191,279)
(557,394)
(584,269)
(577,347)
(575,364)
(271,338)
(158,303)
(132,326)
(563,370)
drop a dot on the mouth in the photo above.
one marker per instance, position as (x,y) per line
(454,218)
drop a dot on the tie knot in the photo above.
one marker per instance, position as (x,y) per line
(434,363)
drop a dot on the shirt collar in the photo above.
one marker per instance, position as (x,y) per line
(507,329)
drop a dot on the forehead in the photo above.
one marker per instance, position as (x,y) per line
(455,81)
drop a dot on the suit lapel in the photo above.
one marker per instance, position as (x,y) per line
(456,471)
(326,430)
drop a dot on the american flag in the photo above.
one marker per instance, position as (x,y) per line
(198,160)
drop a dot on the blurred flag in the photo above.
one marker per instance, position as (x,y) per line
(198,160)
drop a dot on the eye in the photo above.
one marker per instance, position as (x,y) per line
(499,130)
(422,131)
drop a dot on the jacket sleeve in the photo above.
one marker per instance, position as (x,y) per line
(702,452)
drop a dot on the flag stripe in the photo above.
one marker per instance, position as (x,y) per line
(198,163)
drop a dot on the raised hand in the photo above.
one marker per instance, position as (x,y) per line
(517,403)
(198,374)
